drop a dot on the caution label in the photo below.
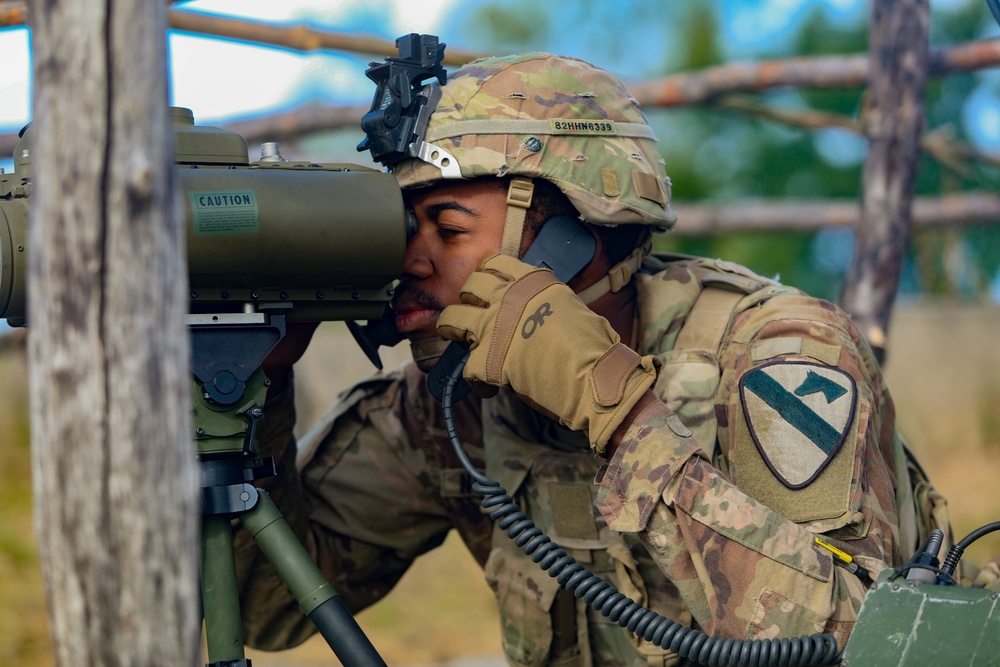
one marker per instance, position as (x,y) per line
(224,212)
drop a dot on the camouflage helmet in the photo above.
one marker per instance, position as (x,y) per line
(551,117)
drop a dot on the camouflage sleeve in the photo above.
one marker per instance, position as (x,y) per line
(808,458)
(356,503)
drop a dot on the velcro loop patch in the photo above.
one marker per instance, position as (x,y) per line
(649,187)
(611,372)
(609,178)
(762,350)
(825,352)
(572,515)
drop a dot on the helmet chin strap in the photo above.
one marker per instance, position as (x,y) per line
(619,275)
(519,194)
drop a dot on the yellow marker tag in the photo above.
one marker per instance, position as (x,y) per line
(846,557)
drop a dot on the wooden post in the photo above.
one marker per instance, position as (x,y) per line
(116,485)
(893,117)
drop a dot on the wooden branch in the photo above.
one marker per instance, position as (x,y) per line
(291,125)
(689,88)
(295,37)
(13,13)
(299,37)
(808,119)
(943,147)
(893,117)
(826,72)
(810,216)
(939,143)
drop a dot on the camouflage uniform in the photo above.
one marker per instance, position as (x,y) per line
(707,516)
(712,545)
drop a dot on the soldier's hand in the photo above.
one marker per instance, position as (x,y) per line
(989,576)
(530,332)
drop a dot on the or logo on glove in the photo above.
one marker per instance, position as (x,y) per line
(574,369)
(536,320)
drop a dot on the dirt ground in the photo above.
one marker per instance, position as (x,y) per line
(944,371)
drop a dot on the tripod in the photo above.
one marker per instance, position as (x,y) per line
(229,392)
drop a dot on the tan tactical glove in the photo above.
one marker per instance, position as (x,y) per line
(530,332)
(989,576)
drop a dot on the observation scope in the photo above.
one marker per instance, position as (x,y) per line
(317,241)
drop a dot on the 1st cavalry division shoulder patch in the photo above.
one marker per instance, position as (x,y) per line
(798,414)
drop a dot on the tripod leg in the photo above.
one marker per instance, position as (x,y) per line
(315,594)
(220,598)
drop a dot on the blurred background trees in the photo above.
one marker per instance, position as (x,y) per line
(722,155)
(735,151)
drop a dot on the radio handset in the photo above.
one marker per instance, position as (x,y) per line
(564,246)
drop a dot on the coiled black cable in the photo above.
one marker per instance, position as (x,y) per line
(686,642)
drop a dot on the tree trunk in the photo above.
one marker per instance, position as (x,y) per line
(115,478)
(893,117)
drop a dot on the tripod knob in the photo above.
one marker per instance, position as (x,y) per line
(224,388)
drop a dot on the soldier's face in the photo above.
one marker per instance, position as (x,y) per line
(460,224)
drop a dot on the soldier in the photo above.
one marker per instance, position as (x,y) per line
(682,426)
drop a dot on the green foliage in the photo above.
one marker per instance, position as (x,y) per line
(959,22)
(817,37)
(515,26)
(700,30)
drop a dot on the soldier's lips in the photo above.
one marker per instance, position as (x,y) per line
(417,319)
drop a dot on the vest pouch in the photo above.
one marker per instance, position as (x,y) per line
(525,594)
(606,635)
(687,382)
(540,623)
